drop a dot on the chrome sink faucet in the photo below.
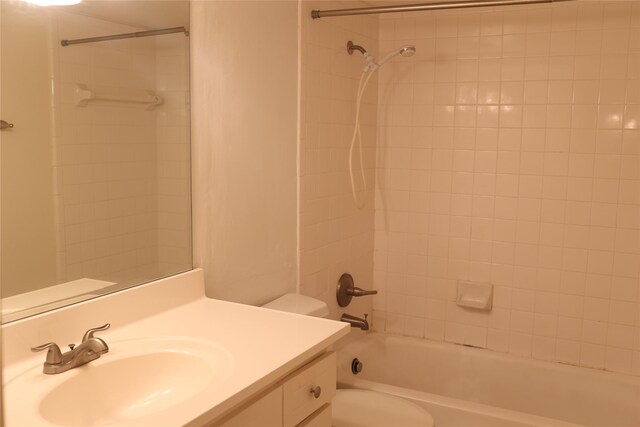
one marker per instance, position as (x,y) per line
(89,349)
(356,322)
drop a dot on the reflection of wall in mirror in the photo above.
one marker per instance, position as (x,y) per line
(28,237)
(116,203)
(123,204)
(174,157)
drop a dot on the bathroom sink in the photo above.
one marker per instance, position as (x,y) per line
(135,379)
(126,389)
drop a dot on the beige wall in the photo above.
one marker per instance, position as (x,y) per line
(509,154)
(27,225)
(244,86)
(335,237)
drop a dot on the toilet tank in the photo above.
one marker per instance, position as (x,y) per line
(299,304)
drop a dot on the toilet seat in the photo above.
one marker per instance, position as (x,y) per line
(365,408)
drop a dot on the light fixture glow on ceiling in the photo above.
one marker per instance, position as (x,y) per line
(53,2)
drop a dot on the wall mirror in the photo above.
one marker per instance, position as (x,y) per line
(94,161)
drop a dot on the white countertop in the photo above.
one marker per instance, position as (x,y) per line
(264,345)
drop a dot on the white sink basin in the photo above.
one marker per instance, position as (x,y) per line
(135,379)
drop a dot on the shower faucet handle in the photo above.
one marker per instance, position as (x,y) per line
(346,290)
(357,292)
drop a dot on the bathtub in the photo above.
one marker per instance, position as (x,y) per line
(469,387)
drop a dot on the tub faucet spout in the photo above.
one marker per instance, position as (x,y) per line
(356,322)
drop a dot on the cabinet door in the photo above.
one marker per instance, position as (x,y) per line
(299,400)
(265,412)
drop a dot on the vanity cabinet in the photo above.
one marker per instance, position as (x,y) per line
(265,411)
(301,399)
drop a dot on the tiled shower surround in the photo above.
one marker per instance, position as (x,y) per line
(335,237)
(509,153)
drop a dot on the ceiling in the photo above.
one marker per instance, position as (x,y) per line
(149,14)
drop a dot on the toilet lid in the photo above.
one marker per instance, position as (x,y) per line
(364,408)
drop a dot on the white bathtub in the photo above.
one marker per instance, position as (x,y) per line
(464,386)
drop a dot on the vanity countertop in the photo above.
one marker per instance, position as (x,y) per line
(260,346)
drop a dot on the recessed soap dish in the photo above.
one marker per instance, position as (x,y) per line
(475,295)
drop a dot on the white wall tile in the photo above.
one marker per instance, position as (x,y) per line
(532,180)
(336,237)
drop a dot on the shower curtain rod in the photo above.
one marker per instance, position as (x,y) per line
(127,36)
(315,14)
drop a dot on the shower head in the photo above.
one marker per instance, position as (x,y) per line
(404,51)
(407,51)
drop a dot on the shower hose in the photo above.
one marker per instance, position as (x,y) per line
(362,84)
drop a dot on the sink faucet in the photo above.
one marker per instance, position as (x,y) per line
(356,322)
(89,349)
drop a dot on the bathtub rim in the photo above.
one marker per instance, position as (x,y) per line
(553,366)
(353,345)
(457,404)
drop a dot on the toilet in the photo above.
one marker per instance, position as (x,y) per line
(353,407)
(299,304)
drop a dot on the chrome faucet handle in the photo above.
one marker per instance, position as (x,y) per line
(54,355)
(89,334)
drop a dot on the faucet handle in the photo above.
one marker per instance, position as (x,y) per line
(357,292)
(347,290)
(90,332)
(54,355)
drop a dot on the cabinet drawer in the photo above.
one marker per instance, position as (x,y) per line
(299,400)
(320,418)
